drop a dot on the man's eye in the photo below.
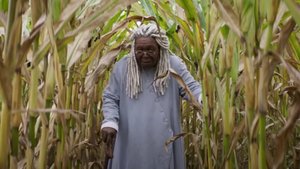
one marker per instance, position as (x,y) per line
(150,51)
(139,52)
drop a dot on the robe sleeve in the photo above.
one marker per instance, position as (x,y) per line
(111,100)
(189,80)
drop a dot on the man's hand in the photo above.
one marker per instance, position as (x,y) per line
(109,137)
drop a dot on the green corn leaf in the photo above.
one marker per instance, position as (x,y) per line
(235,65)
(147,5)
(4,5)
(200,13)
(56,9)
(189,8)
(225,31)
(186,28)
(109,24)
(294,9)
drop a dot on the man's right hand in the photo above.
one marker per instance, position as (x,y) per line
(109,137)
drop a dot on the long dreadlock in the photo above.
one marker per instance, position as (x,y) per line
(134,82)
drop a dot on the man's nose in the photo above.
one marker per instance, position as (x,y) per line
(145,53)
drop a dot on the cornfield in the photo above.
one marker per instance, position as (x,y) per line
(56,57)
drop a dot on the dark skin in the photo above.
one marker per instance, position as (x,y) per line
(146,52)
(147,56)
(109,137)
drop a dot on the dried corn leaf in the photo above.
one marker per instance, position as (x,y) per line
(174,138)
(26,44)
(185,87)
(230,18)
(285,132)
(103,64)
(3,19)
(77,47)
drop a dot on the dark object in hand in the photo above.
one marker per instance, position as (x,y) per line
(109,137)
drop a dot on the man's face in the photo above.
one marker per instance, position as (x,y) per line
(146,52)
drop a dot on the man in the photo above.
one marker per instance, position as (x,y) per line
(141,104)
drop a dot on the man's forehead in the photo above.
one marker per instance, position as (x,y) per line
(144,40)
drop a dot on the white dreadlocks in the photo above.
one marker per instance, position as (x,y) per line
(134,82)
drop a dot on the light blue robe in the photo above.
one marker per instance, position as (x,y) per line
(146,123)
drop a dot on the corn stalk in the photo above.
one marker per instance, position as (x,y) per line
(7,66)
(245,53)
